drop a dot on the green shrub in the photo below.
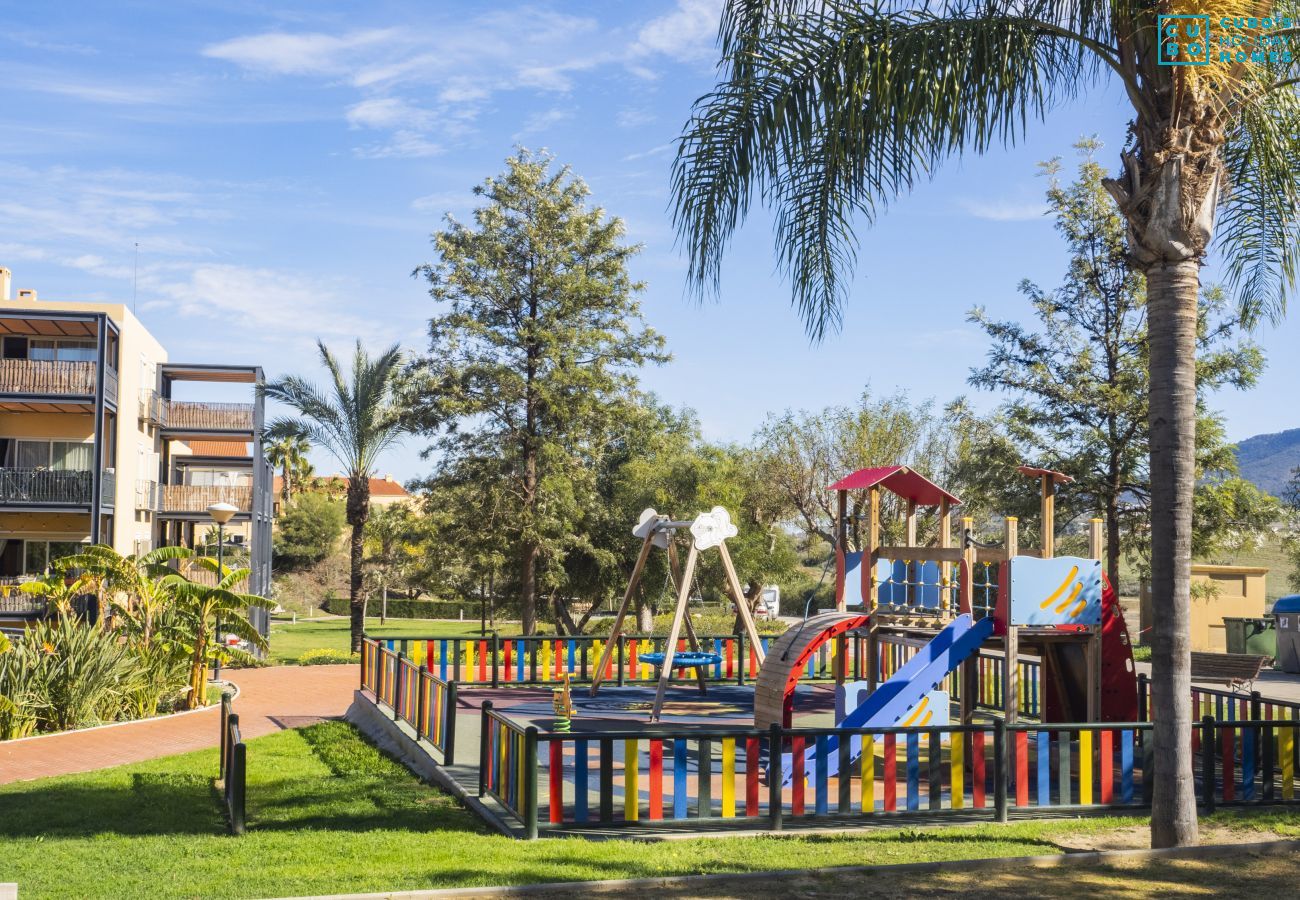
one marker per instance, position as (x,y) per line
(325,656)
(412,609)
(307,531)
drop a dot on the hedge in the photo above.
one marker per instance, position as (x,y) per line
(400,608)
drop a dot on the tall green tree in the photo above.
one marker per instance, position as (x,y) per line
(829,110)
(355,419)
(392,536)
(534,350)
(289,454)
(307,531)
(1078,378)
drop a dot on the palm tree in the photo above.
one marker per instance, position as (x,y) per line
(133,584)
(355,420)
(828,110)
(289,455)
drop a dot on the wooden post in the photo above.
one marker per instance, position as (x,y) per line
(632,583)
(1011,684)
(841,546)
(692,641)
(966,595)
(674,632)
(1096,545)
(1011,534)
(1092,651)
(1049,516)
(733,582)
(871,557)
(945,568)
(912,566)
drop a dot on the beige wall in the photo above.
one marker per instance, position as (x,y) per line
(56,426)
(1224,591)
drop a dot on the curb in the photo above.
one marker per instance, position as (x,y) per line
(1092,857)
(128,722)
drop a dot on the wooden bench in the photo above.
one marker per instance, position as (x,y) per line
(1231,669)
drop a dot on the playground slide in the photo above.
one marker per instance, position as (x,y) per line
(891,701)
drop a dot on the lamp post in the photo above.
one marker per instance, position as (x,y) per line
(221,513)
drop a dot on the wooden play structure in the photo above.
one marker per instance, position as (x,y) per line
(947,599)
(707,530)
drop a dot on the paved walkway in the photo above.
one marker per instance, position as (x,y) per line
(270,699)
(1272,684)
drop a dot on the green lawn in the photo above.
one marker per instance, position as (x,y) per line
(290,640)
(328,814)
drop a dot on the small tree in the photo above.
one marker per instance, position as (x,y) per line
(289,454)
(391,545)
(533,353)
(355,420)
(307,531)
(1079,382)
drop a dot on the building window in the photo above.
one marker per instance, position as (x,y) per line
(37,555)
(217,478)
(59,456)
(63,351)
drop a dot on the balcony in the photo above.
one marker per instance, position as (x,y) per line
(54,378)
(194,498)
(14,602)
(49,487)
(185,415)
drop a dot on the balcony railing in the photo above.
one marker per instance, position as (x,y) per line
(195,416)
(48,487)
(15,602)
(41,376)
(194,498)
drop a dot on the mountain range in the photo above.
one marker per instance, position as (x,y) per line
(1267,460)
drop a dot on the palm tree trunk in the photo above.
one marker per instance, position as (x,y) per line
(1172,290)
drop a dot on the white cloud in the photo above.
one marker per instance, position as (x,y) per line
(685,34)
(1003,210)
(311,53)
(661,150)
(539,122)
(461,64)
(633,118)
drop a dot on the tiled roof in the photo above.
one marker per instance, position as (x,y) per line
(379,487)
(219,448)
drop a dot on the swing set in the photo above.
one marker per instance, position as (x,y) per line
(707,530)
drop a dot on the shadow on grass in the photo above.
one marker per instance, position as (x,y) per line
(152,803)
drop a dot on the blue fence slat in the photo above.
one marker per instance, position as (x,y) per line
(573,653)
(580,764)
(1044,768)
(823,774)
(679,779)
(1248,763)
(442,660)
(913,771)
(1126,765)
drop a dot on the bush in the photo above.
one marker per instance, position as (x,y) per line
(326,656)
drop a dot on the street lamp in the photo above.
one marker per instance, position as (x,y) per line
(221,513)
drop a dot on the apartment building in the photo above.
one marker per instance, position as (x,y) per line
(101,441)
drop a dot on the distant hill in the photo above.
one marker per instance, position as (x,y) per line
(1267,459)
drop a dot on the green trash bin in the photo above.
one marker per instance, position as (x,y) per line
(1287,613)
(1247,634)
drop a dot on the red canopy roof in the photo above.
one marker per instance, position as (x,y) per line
(1057,477)
(898,479)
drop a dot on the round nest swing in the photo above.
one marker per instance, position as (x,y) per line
(684,660)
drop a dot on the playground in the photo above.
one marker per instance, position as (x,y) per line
(898,704)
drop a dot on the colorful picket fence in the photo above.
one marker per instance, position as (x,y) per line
(661,775)
(414,694)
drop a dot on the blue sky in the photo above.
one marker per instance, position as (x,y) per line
(281,170)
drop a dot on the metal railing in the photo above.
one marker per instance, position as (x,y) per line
(234,766)
(176,498)
(50,486)
(15,602)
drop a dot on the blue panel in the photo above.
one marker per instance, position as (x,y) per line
(520,653)
(853,578)
(573,649)
(1044,768)
(442,660)
(679,779)
(1126,765)
(821,780)
(913,771)
(1248,763)
(1061,591)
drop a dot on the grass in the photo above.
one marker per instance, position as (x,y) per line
(290,640)
(329,814)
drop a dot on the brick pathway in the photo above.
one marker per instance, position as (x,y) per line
(270,699)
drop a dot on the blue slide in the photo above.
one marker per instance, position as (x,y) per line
(891,701)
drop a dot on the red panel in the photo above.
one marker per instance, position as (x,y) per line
(509,647)
(631,659)
(797,778)
(656,779)
(891,772)
(751,776)
(1107,753)
(482,661)
(977,770)
(1022,768)
(730,645)
(1118,674)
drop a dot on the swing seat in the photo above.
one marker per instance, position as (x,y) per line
(684,660)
